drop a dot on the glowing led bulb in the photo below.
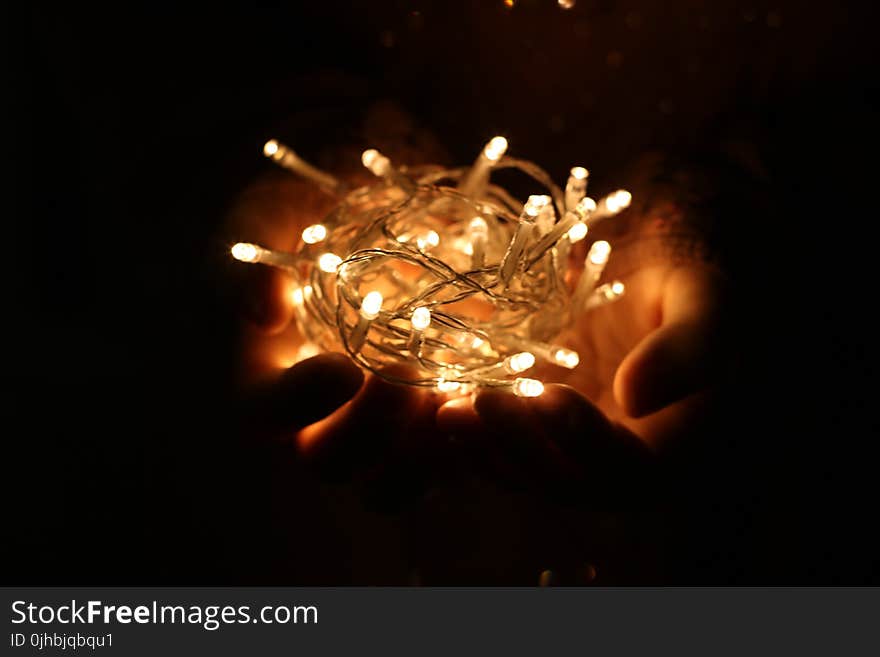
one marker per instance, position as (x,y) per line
(421,318)
(474,182)
(612,204)
(429,241)
(577,232)
(298,297)
(444,385)
(329,263)
(617,288)
(479,234)
(585,206)
(371,305)
(527,388)
(576,187)
(599,252)
(478,227)
(378,164)
(246,252)
(314,234)
(618,200)
(535,204)
(594,265)
(368,157)
(511,260)
(566,358)
(496,147)
(519,362)
(540,207)
(288,159)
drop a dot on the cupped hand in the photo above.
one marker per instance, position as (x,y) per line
(648,364)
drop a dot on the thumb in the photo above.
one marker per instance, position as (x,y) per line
(303,394)
(685,354)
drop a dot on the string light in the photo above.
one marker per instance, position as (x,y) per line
(446,271)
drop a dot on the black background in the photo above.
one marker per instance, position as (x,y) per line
(134,127)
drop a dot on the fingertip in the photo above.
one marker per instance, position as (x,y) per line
(332,371)
(457,413)
(565,411)
(381,409)
(492,403)
(626,391)
(666,366)
(315,387)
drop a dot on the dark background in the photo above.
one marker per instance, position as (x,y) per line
(134,128)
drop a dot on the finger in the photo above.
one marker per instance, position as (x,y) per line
(363,431)
(582,431)
(459,420)
(472,439)
(305,393)
(571,420)
(518,437)
(613,462)
(466,434)
(684,355)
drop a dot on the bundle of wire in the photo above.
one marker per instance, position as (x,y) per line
(445,271)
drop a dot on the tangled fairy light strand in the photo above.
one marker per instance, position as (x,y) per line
(445,271)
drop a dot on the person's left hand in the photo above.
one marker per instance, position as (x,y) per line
(648,362)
